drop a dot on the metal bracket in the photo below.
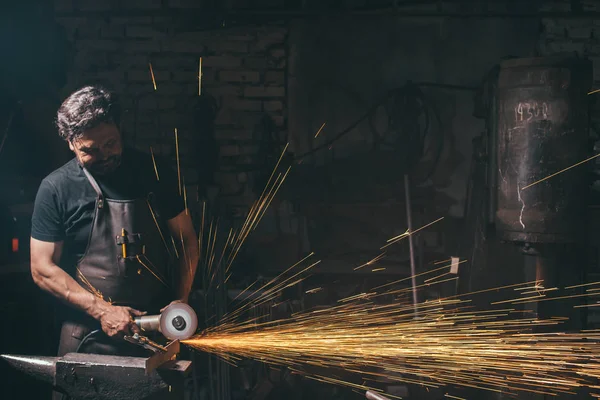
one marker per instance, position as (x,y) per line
(159,358)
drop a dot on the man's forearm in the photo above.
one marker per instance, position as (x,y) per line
(54,280)
(188,263)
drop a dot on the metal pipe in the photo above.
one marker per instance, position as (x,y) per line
(413,271)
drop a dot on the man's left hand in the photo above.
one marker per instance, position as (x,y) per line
(173,302)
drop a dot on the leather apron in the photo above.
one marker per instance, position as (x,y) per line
(126,262)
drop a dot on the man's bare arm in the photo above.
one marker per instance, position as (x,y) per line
(50,277)
(181,227)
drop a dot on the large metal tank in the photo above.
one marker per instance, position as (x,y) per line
(543,122)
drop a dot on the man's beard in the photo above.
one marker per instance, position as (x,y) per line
(104,167)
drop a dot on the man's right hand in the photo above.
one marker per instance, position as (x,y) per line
(117,321)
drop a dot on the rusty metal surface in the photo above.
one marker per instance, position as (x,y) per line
(542,129)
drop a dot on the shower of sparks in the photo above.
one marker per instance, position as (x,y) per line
(154,163)
(158,227)
(561,171)
(200,76)
(151,269)
(89,285)
(216,254)
(320,129)
(594,91)
(406,234)
(448,344)
(178,164)
(152,75)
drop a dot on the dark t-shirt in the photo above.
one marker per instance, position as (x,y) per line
(65,202)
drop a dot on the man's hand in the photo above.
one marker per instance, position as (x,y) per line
(173,302)
(118,321)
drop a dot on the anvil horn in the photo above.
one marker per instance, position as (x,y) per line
(42,368)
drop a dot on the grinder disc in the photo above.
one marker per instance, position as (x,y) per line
(178,321)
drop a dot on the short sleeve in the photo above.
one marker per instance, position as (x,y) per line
(46,222)
(170,201)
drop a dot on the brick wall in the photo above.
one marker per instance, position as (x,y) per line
(574,35)
(243,68)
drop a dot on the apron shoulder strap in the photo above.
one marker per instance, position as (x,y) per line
(96,187)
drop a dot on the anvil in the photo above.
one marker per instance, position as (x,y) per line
(93,376)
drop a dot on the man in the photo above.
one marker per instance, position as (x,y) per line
(104,228)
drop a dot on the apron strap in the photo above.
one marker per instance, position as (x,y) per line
(96,187)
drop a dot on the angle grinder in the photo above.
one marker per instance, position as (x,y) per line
(177,322)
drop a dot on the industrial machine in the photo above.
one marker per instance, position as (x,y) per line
(530,189)
(87,376)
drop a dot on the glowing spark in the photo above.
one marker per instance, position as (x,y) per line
(208,253)
(174,247)
(158,227)
(152,75)
(89,285)
(454,397)
(584,284)
(155,274)
(200,76)
(154,162)
(320,129)
(594,91)
(185,197)
(561,171)
(401,236)
(407,233)
(185,257)
(371,262)
(378,269)
(177,155)
(436,277)
(315,290)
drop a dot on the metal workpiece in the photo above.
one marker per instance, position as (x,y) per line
(542,122)
(93,376)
